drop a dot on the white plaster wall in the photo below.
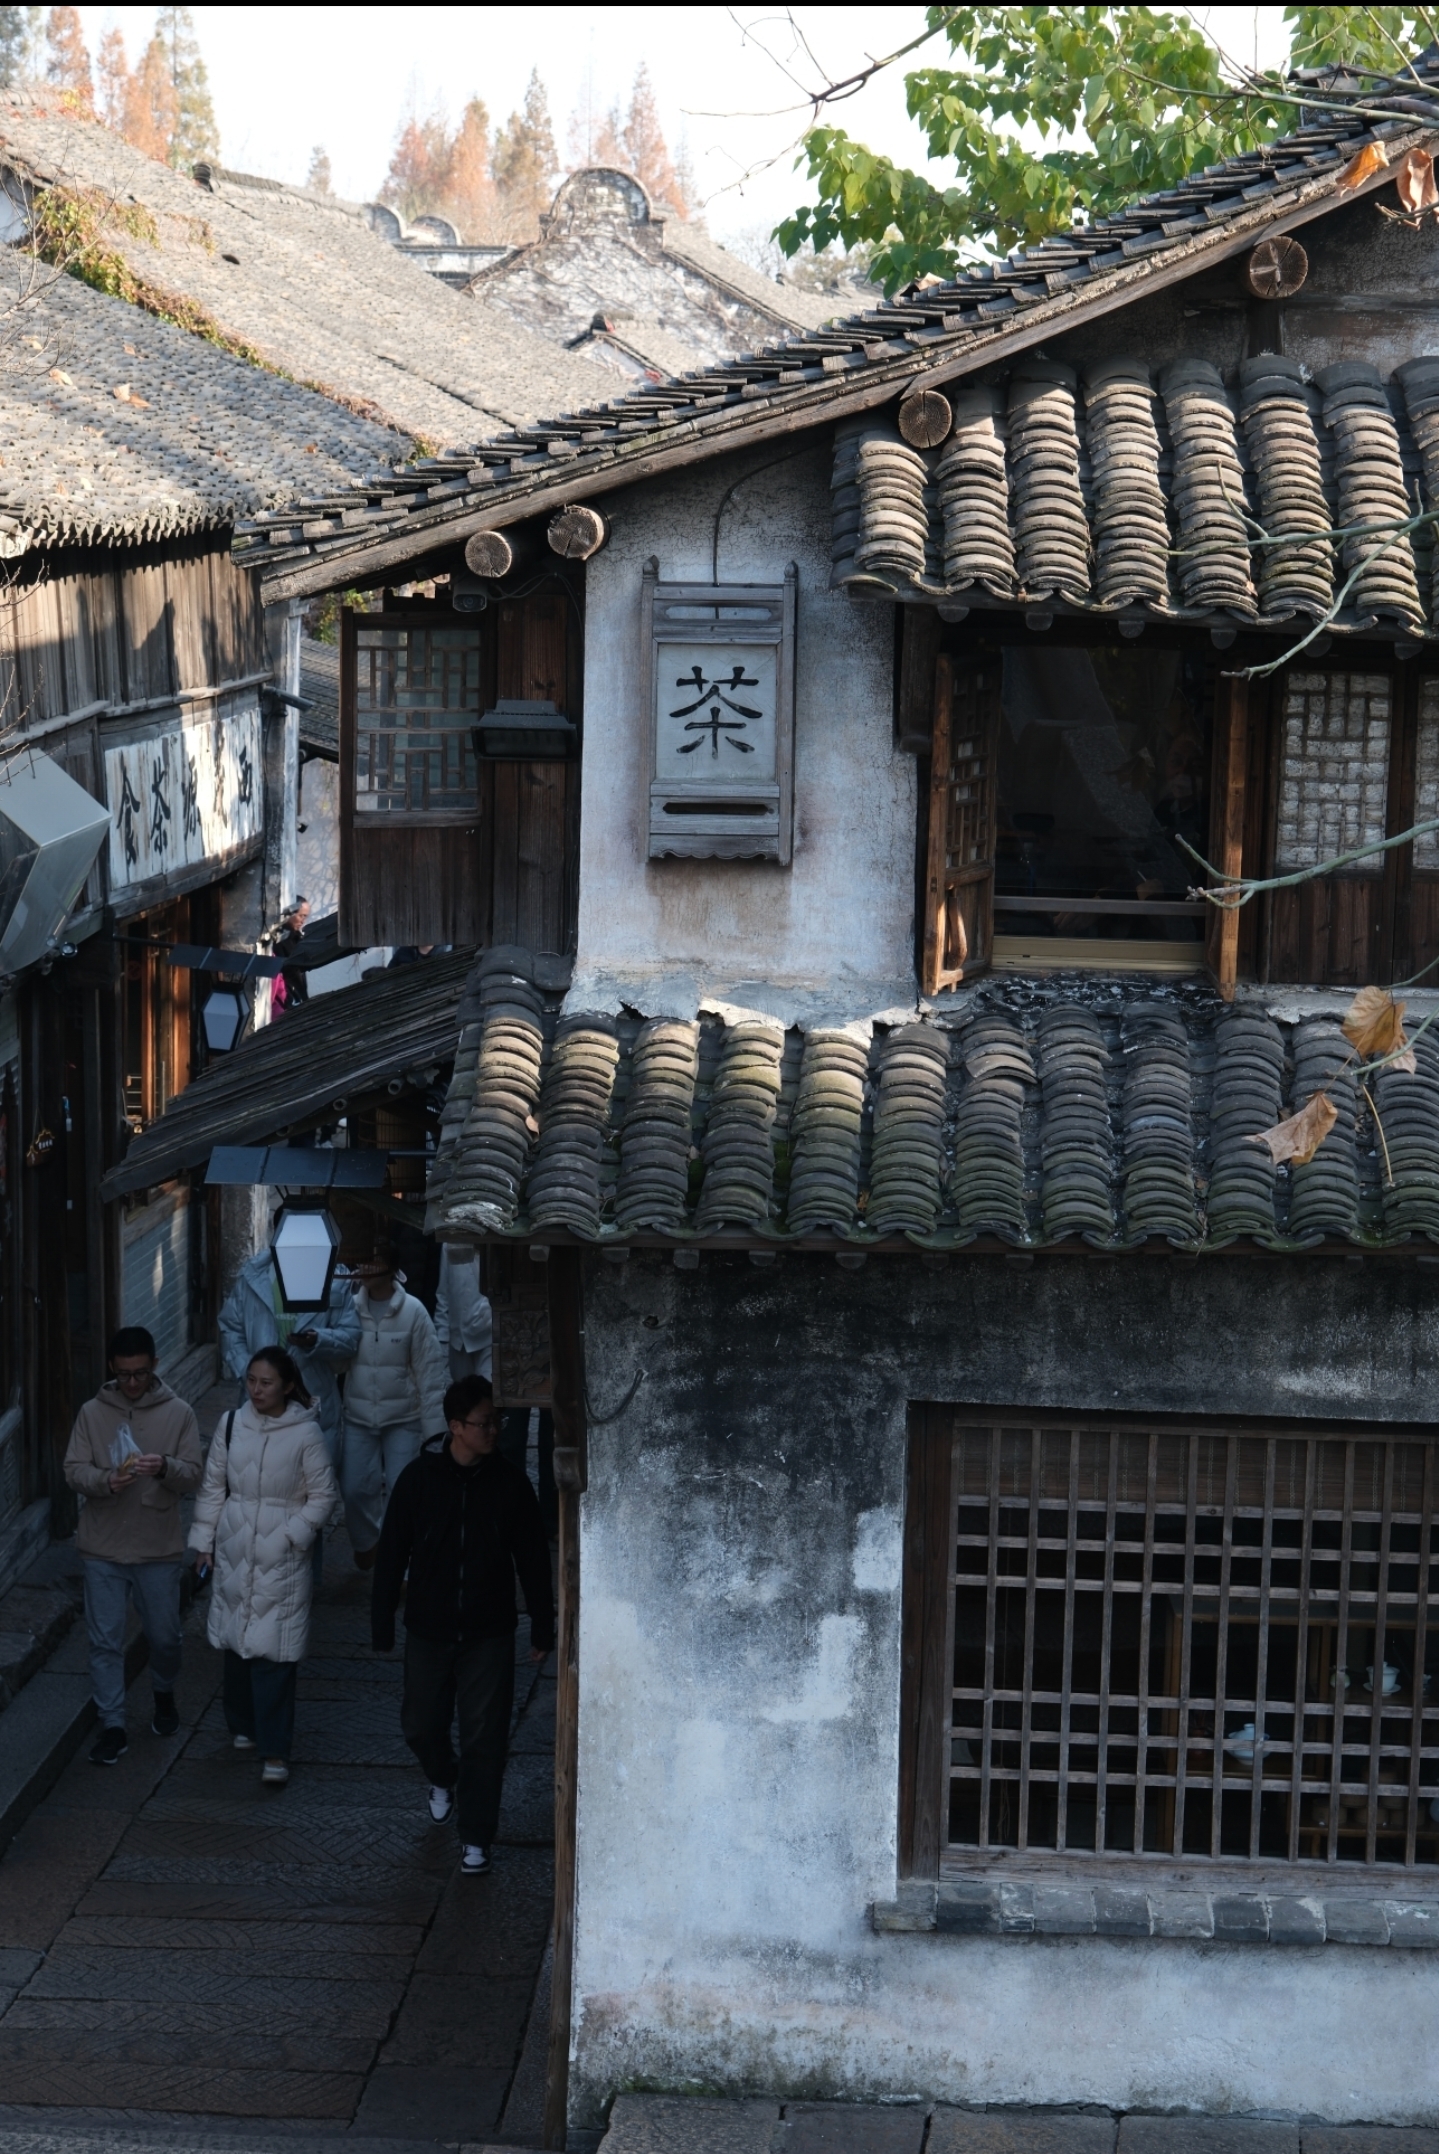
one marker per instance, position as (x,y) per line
(739,1713)
(737,1817)
(838,923)
(317,868)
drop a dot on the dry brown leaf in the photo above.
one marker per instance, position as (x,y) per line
(1414,182)
(63,379)
(1375,1022)
(1301,1136)
(1371,159)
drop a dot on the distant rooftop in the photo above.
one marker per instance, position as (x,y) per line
(631,285)
(303,278)
(119,429)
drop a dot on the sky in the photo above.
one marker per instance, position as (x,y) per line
(287,79)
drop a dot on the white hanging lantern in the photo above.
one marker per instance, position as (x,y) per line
(224,1017)
(304,1247)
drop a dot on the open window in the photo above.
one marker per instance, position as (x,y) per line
(1061,780)
(1172,1640)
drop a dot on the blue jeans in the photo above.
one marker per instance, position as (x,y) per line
(155,1588)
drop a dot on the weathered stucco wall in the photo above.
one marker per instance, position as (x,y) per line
(740,1687)
(664,932)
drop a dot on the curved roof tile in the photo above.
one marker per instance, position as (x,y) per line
(1094,1112)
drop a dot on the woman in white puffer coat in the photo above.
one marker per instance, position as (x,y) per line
(268,1489)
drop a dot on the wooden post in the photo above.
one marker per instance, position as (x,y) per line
(1234,705)
(567,1380)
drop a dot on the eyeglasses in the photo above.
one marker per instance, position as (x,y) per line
(486,1421)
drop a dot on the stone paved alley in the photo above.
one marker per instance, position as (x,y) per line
(177,1943)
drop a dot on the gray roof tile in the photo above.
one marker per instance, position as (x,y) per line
(198,440)
(1165,490)
(863,360)
(1100,1111)
(303,277)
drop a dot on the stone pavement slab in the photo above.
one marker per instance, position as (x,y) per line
(849,2128)
(453,2024)
(1206,2135)
(1368,2139)
(689,2124)
(118,2083)
(43,2027)
(971,2131)
(183,1951)
(430,2103)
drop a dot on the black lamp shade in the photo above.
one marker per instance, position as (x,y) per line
(525,732)
(304,1249)
(224,1017)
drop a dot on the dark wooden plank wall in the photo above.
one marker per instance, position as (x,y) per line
(126,628)
(511,876)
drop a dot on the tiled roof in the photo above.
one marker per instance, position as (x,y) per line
(305,1069)
(605,250)
(850,366)
(304,279)
(1096,1111)
(118,428)
(1114,494)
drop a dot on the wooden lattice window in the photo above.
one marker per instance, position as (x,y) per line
(959,883)
(1170,1640)
(416,703)
(1334,769)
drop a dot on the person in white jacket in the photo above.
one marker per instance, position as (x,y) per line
(267,1491)
(464,1323)
(394,1398)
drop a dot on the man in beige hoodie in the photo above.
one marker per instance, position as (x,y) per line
(133,1453)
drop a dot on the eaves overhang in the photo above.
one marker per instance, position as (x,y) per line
(943,335)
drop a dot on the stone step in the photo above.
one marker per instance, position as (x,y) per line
(694,2124)
(236,2136)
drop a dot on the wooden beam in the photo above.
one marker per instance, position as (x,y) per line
(567,1378)
(1234,708)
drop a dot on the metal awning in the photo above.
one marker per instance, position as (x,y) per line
(308,1067)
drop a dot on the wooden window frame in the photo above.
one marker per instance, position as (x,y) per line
(1334,1508)
(431,619)
(166,1005)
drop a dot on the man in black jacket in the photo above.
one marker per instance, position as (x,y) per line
(462,1520)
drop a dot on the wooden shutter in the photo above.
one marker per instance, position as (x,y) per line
(959,879)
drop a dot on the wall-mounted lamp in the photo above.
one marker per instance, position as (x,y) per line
(524,732)
(223,1018)
(305,1247)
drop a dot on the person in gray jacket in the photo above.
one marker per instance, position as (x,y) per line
(322,1345)
(133,1454)
(464,1324)
(394,1396)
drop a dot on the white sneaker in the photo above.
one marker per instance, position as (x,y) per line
(275,1772)
(244,1742)
(442,1802)
(474,1861)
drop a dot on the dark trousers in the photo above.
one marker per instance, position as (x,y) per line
(260,1702)
(479,1679)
